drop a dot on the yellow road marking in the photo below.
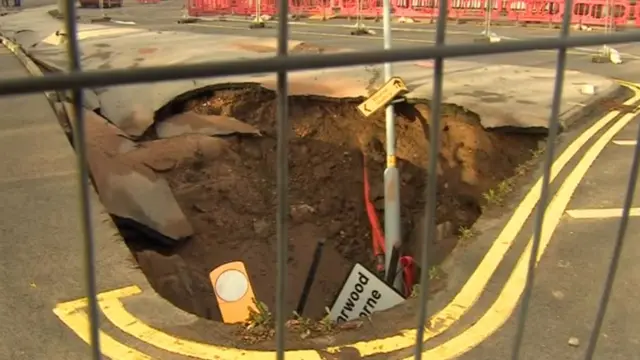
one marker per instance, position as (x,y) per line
(600,213)
(78,321)
(466,298)
(625,142)
(507,301)
(72,315)
(120,317)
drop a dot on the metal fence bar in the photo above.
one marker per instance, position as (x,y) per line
(295,63)
(79,141)
(432,180)
(617,251)
(554,125)
(282,181)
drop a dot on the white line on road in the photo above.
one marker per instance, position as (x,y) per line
(625,142)
(574,51)
(600,213)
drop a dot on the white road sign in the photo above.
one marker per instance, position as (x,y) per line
(363,294)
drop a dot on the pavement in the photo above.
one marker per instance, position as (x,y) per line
(40,180)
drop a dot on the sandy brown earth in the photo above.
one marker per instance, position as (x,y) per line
(230,199)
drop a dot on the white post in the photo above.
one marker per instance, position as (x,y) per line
(61,8)
(393,233)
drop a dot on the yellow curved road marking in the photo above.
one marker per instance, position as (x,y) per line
(72,314)
(466,298)
(507,301)
(120,317)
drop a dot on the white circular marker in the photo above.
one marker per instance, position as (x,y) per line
(231,285)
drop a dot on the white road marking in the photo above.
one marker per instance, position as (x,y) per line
(600,213)
(625,142)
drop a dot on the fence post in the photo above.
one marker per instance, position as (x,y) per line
(360,27)
(487,35)
(257,22)
(607,53)
(61,8)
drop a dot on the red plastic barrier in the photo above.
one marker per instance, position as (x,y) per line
(536,11)
(307,7)
(368,8)
(267,7)
(586,12)
(474,9)
(218,7)
(416,9)
(595,12)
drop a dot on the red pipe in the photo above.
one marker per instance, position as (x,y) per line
(406,262)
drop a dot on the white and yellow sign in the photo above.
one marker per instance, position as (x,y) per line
(392,89)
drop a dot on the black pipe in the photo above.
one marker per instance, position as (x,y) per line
(310,277)
(393,267)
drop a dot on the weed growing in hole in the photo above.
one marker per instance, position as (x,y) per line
(465,234)
(260,316)
(535,153)
(505,186)
(434,273)
(492,197)
(496,196)
(307,327)
(326,324)
(415,291)
(521,169)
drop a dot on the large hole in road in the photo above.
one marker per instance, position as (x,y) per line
(231,200)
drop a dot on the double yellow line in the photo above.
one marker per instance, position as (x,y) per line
(74,316)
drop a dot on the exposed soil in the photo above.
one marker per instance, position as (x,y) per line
(231,201)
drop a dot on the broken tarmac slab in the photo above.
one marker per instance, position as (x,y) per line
(129,190)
